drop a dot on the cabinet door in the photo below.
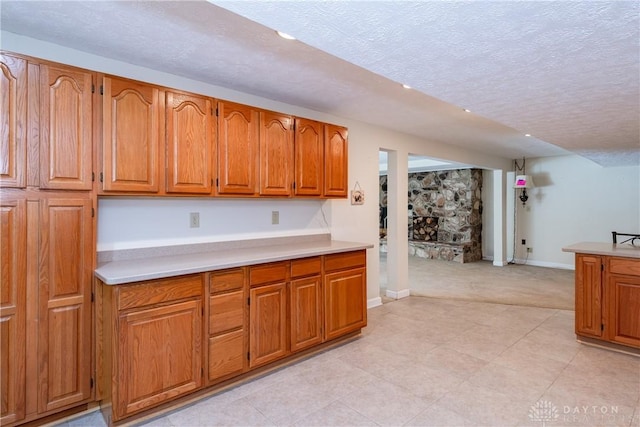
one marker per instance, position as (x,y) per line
(336,163)
(66,245)
(309,157)
(345,302)
(306,312)
(133,127)
(65,128)
(237,148)
(13,121)
(13,237)
(623,301)
(267,320)
(276,154)
(190,133)
(589,295)
(159,356)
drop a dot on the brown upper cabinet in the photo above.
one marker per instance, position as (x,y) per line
(65,128)
(13,121)
(133,123)
(335,161)
(276,154)
(152,140)
(238,133)
(309,153)
(190,140)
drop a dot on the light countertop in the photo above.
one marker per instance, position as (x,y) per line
(597,248)
(157,267)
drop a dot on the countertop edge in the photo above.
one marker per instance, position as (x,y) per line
(121,272)
(600,248)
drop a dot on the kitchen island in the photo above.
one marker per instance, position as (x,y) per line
(177,322)
(607,298)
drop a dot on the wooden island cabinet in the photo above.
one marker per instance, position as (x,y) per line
(252,317)
(607,294)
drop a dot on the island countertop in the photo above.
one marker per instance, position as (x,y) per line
(156,267)
(609,249)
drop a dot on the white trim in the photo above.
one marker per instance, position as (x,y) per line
(545,264)
(487,257)
(374,302)
(399,294)
(499,263)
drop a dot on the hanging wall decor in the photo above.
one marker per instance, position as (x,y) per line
(357,195)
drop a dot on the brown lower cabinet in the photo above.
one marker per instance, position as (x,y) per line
(228,322)
(267,313)
(256,315)
(152,343)
(345,298)
(45,303)
(608,299)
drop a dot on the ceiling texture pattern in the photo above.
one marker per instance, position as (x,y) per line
(566,72)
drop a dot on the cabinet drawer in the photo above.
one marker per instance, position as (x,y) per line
(226,354)
(226,280)
(268,273)
(159,291)
(305,267)
(627,266)
(345,260)
(226,311)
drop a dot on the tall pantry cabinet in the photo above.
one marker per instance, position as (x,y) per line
(47,236)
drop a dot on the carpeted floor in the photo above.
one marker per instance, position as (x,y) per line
(480,281)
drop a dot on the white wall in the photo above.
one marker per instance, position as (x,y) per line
(125,223)
(143,222)
(575,200)
(487,214)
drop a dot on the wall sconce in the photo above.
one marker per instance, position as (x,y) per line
(523,181)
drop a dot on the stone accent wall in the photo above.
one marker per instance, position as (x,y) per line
(444,214)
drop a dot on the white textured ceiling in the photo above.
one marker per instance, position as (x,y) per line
(566,72)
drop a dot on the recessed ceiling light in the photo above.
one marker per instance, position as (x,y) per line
(527,134)
(466,110)
(406,86)
(285,35)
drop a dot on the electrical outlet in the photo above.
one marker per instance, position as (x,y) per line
(275,217)
(529,250)
(194,220)
(524,242)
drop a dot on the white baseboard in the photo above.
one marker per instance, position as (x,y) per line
(399,294)
(546,264)
(532,262)
(374,302)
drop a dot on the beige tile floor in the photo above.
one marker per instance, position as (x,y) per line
(481,281)
(438,362)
